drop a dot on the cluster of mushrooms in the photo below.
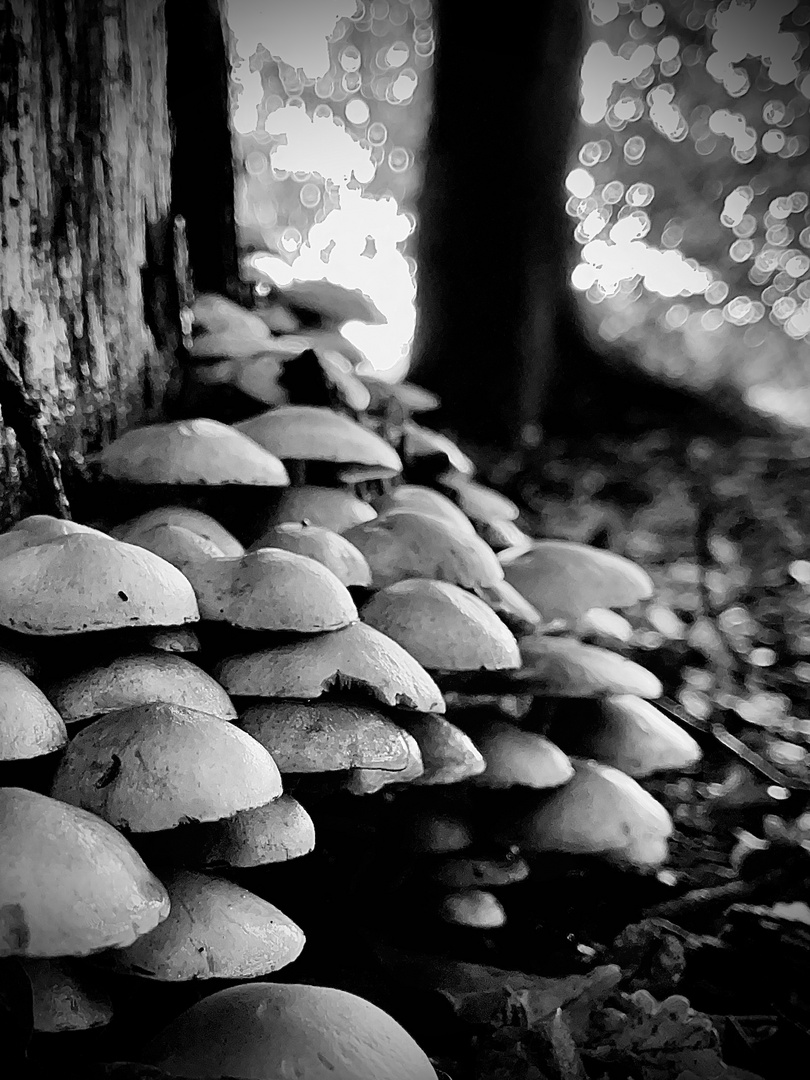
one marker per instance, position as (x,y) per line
(316,604)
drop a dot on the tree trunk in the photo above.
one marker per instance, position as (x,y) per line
(84,188)
(493,235)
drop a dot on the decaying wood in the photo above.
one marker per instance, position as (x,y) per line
(84,173)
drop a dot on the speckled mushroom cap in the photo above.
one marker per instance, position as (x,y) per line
(316,433)
(138,679)
(199,451)
(444,627)
(564,667)
(215,930)
(39,529)
(29,724)
(331,549)
(66,996)
(326,736)
(276,832)
(271,589)
(71,885)
(193,520)
(517,758)
(358,657)
(563,579)
(257,1029)
(85,582)
(424,500)
(632,735)
(600,811)
(331,508)
(156,766)
(401,544)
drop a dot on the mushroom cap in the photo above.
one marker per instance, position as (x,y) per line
(177,545)
(518,757)
(215,930)
(137,680)
(174,639)
(475,908)
(564,579)
(480,503)
(194,520)
(420,442)
(39,529)
(334,303)
(515,610)
(331,508)
(83,582)
(66,997)
(29,724)
(600,811)
(71,885)
(198,451)
(272,589)
(366,781)
(276,832)
(564,667)
(331,549)
(255,1031)
(402,544)
(155,766)
(230,346)
(424,500)
(604,623)
(216,315)
(631,735)
(448,754)
(316,433)
(412,398)
(325,737)
(468,872)
(442,626)
(356,657)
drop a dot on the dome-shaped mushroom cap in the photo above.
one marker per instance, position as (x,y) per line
(316,433)
(279,831)
(478,502)
(515,610)
(271,589)
(66,996)
(216,314)
(264,1031)
(334,304)
(83,582)
(215,930)
(327,736)
(448,754)
(193,520)
(156,766)
(197,451)
(324,545)
(421,442)
(600,811)
(71,885)
(401,544)
(331,508)
(564,579)
(442,626)
(366,781)
(475,908)
(632,735)
(424,500)
(518,757)
(564,667)
(356,657)
(177,545)
(39,529)
(137,680)
(29,724)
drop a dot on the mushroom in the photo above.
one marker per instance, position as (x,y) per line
(442,626)
(138,679)
(193,520)
(369,780)
(563,579)
(39,529)
(432,454)
(331,508)
(71,884)
(479,503)
(67,996)
(156,766)
(30,726)
(600,811)
(469,872)
(331,304)
(215,930)
(257,1029)
(476,908)
(419,499)
(279,831)
(357,657)
(448,754)
(331,549)
(515,757)
(401,544)
(215,314)
(564,667)
(433,832)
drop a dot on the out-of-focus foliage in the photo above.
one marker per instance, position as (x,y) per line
(690,189)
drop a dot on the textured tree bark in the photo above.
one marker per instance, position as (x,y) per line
(84,180)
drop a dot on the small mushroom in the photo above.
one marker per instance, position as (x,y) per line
(331,549)
(279,831)
(433,452)
(71,884)
(515,757)
(30,726)
(194,520)
(476,908)
(155,766)
(480,503)
(419,499)
(215,930)
(564,667)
